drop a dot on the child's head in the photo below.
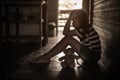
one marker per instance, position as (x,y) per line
(81,20)
(68,51)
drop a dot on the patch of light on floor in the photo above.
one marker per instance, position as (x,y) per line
(60,28)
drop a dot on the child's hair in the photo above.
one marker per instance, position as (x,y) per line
(83,17)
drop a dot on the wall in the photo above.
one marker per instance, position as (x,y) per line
(106,20)
(52,10)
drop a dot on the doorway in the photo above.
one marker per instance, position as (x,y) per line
(64,9)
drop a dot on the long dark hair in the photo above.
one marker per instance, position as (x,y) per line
(83,16)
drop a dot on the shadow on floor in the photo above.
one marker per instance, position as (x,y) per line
(11,54)
(66,74)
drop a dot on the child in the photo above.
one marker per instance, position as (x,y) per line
(88,47)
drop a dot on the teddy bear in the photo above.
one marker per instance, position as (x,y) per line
(68,60)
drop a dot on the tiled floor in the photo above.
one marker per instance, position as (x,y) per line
(53,71)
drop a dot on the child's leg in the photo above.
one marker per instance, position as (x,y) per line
(59,47)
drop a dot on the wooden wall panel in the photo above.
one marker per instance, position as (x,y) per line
(106,21)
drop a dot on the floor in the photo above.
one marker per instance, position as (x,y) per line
(16,65)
